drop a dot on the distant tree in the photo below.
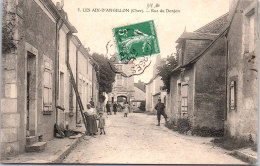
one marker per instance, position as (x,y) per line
(106,75)
(165,71)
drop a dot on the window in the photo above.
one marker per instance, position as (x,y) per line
(84,93)
(250,31)
(119,80)
(71,96)
(232,95)
(47,87)
(87,65)
(184,99)
(61,89)
(80,88)
(179,49)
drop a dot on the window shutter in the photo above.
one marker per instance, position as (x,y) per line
(47,87)
(184,99)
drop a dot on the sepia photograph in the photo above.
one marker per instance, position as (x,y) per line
(129,82)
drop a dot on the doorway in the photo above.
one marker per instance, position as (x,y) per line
(121,99)
(31,98)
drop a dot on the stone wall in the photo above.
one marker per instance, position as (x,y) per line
(178,79)
(12,114)
(210,92)
(32,23)
(242,121)
(36,23)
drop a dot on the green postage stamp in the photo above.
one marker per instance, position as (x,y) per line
(136,40)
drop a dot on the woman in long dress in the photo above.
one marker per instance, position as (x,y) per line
(91,115)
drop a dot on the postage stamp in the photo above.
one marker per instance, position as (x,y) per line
(136,40)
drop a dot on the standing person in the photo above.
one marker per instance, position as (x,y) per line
(101,123)
(115,108)
(119,107)
(126,108)
(108,108)
(91,114)
(92,102)
(160,111)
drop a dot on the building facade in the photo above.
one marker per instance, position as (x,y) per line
(36,87)
(197,87)
(242,76)
(154,88)
(28,76)
(123,87)
(139,95)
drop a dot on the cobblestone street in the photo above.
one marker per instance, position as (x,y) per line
(137,139)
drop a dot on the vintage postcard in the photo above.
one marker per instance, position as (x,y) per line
(129,82)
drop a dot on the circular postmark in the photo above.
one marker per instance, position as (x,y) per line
(135,66)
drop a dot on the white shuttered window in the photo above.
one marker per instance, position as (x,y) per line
(47,87)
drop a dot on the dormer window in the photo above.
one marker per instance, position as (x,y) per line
(180,53)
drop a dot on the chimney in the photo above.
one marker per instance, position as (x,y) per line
(60,5)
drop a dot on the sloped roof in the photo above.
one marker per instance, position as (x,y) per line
(140,85)
(61,13)
(196,36)
(139,94)
(220,26)
(215,26)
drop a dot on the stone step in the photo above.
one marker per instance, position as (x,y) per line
(31,140)
(36,147)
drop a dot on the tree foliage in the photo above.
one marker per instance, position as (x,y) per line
(165,71)
(106,76)
(8,29)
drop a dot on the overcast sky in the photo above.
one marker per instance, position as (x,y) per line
(95,29)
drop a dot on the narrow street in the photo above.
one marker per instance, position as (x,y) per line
(137,139)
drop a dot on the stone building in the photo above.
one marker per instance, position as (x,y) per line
(139,95)
(123,87)
(28,76)
(35,78)
(154,87)
(197,87)
(242,71)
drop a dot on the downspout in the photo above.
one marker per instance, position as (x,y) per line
(226,81)
(58,27)
(77,77)
(68,35)
(92,92)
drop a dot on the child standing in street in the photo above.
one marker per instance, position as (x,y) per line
(126,109)
(101,123)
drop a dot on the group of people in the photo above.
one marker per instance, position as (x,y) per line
(118,108)
(91,116)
